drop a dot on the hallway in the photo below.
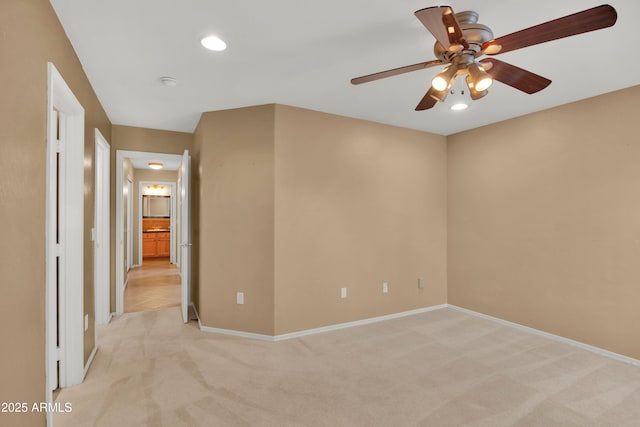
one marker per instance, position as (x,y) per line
(153,286)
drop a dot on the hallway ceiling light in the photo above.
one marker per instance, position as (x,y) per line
(213,43)
(155,165)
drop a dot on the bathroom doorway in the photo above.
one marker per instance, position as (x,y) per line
(156,230)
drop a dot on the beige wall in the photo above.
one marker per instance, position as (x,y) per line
(144,175)
(544,221)
(356,204)
(32,36)
(294,204)
(234,154)
(130,138)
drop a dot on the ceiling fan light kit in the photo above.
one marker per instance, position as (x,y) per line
(473,91)
(445,79)
(478,78)
(461,41)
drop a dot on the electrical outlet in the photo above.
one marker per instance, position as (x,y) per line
(385,287)
(86,322)
(421,283)
(343,292)
(240,298)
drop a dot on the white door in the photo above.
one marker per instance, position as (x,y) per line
(184,233)
(129,224)
(64,236)
(101,231)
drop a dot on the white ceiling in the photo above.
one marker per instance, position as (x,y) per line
(304,54)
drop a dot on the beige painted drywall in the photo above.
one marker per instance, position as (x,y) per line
(295,204)
(356,204)
(129,138)
(544,221)
(234,174)
(145,175)
(31,36)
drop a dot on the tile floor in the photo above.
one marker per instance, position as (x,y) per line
(154,285)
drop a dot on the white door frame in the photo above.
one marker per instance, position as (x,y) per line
(64,304)
(120,156)
(172,218)
(102,236)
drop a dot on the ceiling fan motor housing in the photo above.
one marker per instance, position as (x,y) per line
(474,34)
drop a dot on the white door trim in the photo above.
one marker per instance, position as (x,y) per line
(102,229)
(120,156)
(184,232)
(69,308)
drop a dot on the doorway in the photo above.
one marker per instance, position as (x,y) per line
(182,233)
(156,213)
(154,283)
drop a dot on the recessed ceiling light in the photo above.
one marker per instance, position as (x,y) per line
(459,106)
(155,165)
(213,43)
(169,81)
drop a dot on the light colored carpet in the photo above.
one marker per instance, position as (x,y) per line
(442,368)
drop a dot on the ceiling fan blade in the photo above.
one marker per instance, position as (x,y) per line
(427,101)
(395,72)
(442,23)
(515,77)
(582,22)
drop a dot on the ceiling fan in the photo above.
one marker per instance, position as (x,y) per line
(460,41)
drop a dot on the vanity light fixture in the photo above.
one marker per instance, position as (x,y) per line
(155,165)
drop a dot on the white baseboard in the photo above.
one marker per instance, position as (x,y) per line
(193,306)
(298,334)
(89,361)
(553,337)
(235,333)
(356,323)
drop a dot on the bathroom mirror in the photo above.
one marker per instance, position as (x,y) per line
(156,206)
